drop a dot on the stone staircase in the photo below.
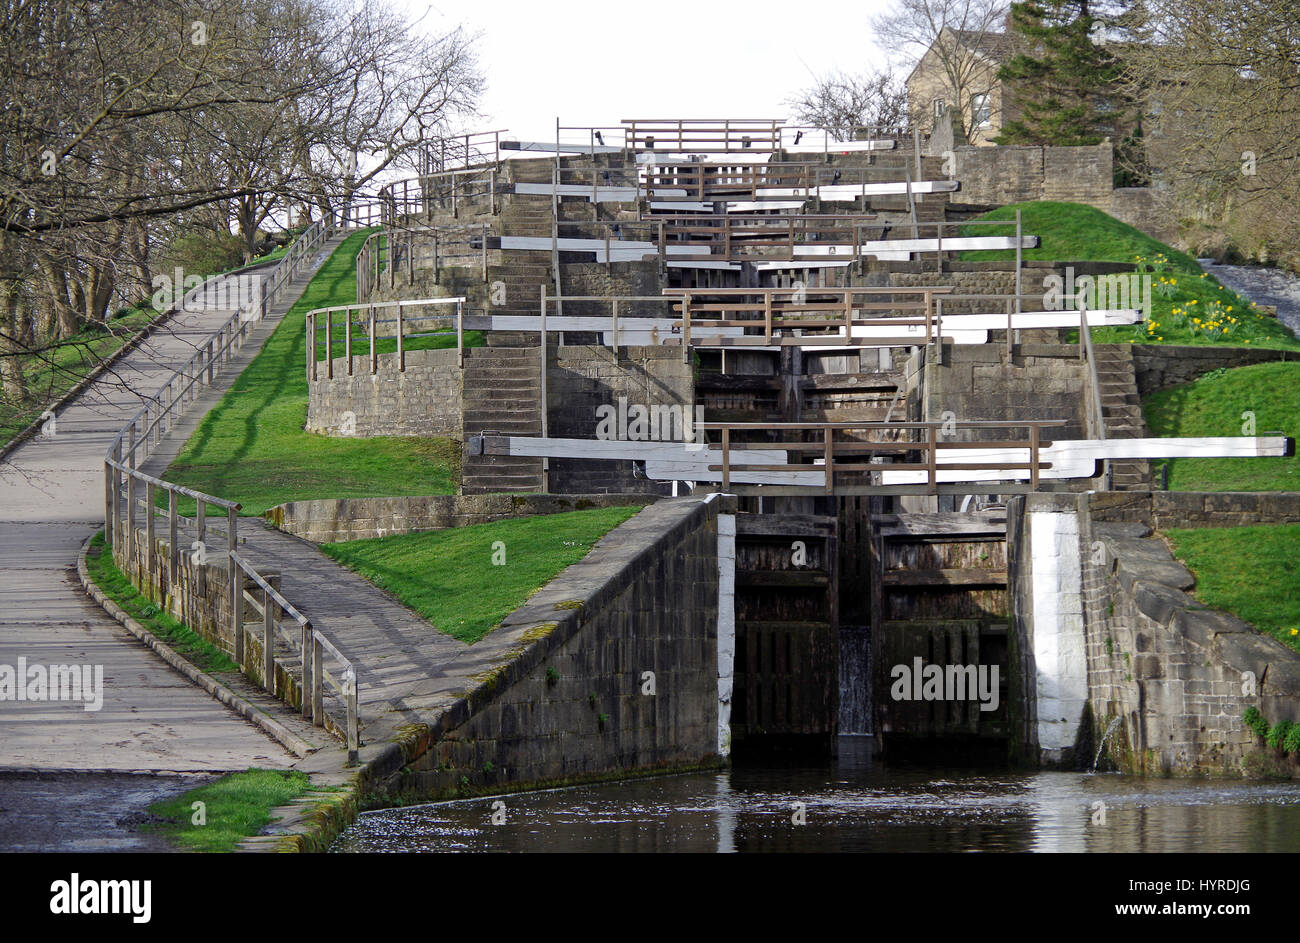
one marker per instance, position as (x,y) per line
(502,393)
(1121,409)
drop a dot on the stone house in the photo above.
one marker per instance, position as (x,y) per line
(974,57)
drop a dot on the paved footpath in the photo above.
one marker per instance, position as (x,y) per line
(51,498)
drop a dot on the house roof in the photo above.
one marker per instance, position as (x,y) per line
(992,45)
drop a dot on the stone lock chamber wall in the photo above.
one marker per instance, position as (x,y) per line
(425,399)
(1119,653)
(571,703)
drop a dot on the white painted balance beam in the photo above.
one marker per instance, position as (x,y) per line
(638,330)
(1078,458)
(625,250)
(677,461)
(603,194)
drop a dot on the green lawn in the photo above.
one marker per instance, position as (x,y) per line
(181,638)
(252,447)
(449,576)
(1213,406)
(1188,306)
(1251,572)
(234,807)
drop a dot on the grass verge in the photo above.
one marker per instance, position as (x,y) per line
(466,580)
(1221,404)
(234,807)
(252,448)
(1252,572)
(181,638)
(1188,305)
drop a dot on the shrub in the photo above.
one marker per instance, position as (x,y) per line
(1277,734)
(1255,721)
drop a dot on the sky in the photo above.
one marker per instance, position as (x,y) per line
(596,63)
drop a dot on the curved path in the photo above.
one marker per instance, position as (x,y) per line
(152,720)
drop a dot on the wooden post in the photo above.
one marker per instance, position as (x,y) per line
(1011,304)
(236,583)
(686,328)
(350,696)
(374,357)
(848,317)
(767,316)
(329,344)
(268,643)
(1019,242)
(308,671)
(130,518)
(932,470)
(1033,456)
(726,458)
(201,529)
(347,337)
(828,453)
(613,305)
(317,707)
(460,334)
(237,614)
(401,352)
(173,536)
(149,554)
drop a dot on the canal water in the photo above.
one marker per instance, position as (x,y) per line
(856,803)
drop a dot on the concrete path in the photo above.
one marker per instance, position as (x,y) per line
(51,499)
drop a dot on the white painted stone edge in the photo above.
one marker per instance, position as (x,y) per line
(272,727)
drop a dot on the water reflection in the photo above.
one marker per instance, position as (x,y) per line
(856,804)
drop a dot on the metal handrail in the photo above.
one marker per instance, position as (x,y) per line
(314,317)
(159,412)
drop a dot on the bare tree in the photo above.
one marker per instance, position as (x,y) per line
(1221,103)
(958,35)
(840,103)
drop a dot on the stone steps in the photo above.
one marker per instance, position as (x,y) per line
(1121,409)
(502,393)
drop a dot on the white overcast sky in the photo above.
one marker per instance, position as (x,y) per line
(595,63)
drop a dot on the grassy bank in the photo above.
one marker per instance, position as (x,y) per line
(1188,306)
(252,447)
(450,576)
(1251,572)
(51,375)
(1218,404)
(234,807)
(181,638)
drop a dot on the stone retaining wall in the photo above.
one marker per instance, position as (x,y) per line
(1160,366)
(423,400)
(337,519)
(573,701)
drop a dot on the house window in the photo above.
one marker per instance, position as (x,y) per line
(938,107)
(979,107)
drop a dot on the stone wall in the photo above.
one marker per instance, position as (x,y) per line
(337,519)
(1171,677)
(1161,510)
(580,380)
(199,595)
(423,400)
(1099,605)
(1015,174)
(573,700)
(975,382)
(1160,366)
(1145,209)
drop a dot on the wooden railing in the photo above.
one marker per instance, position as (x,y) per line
(420,197)
(703,182)
(455,151)
(312,646)
(778,238)
(419,312)
(129,491)
(843,457)
(709,135)
(770,312)
(391,255)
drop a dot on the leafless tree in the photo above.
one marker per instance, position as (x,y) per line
(840,103)
(957,33)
